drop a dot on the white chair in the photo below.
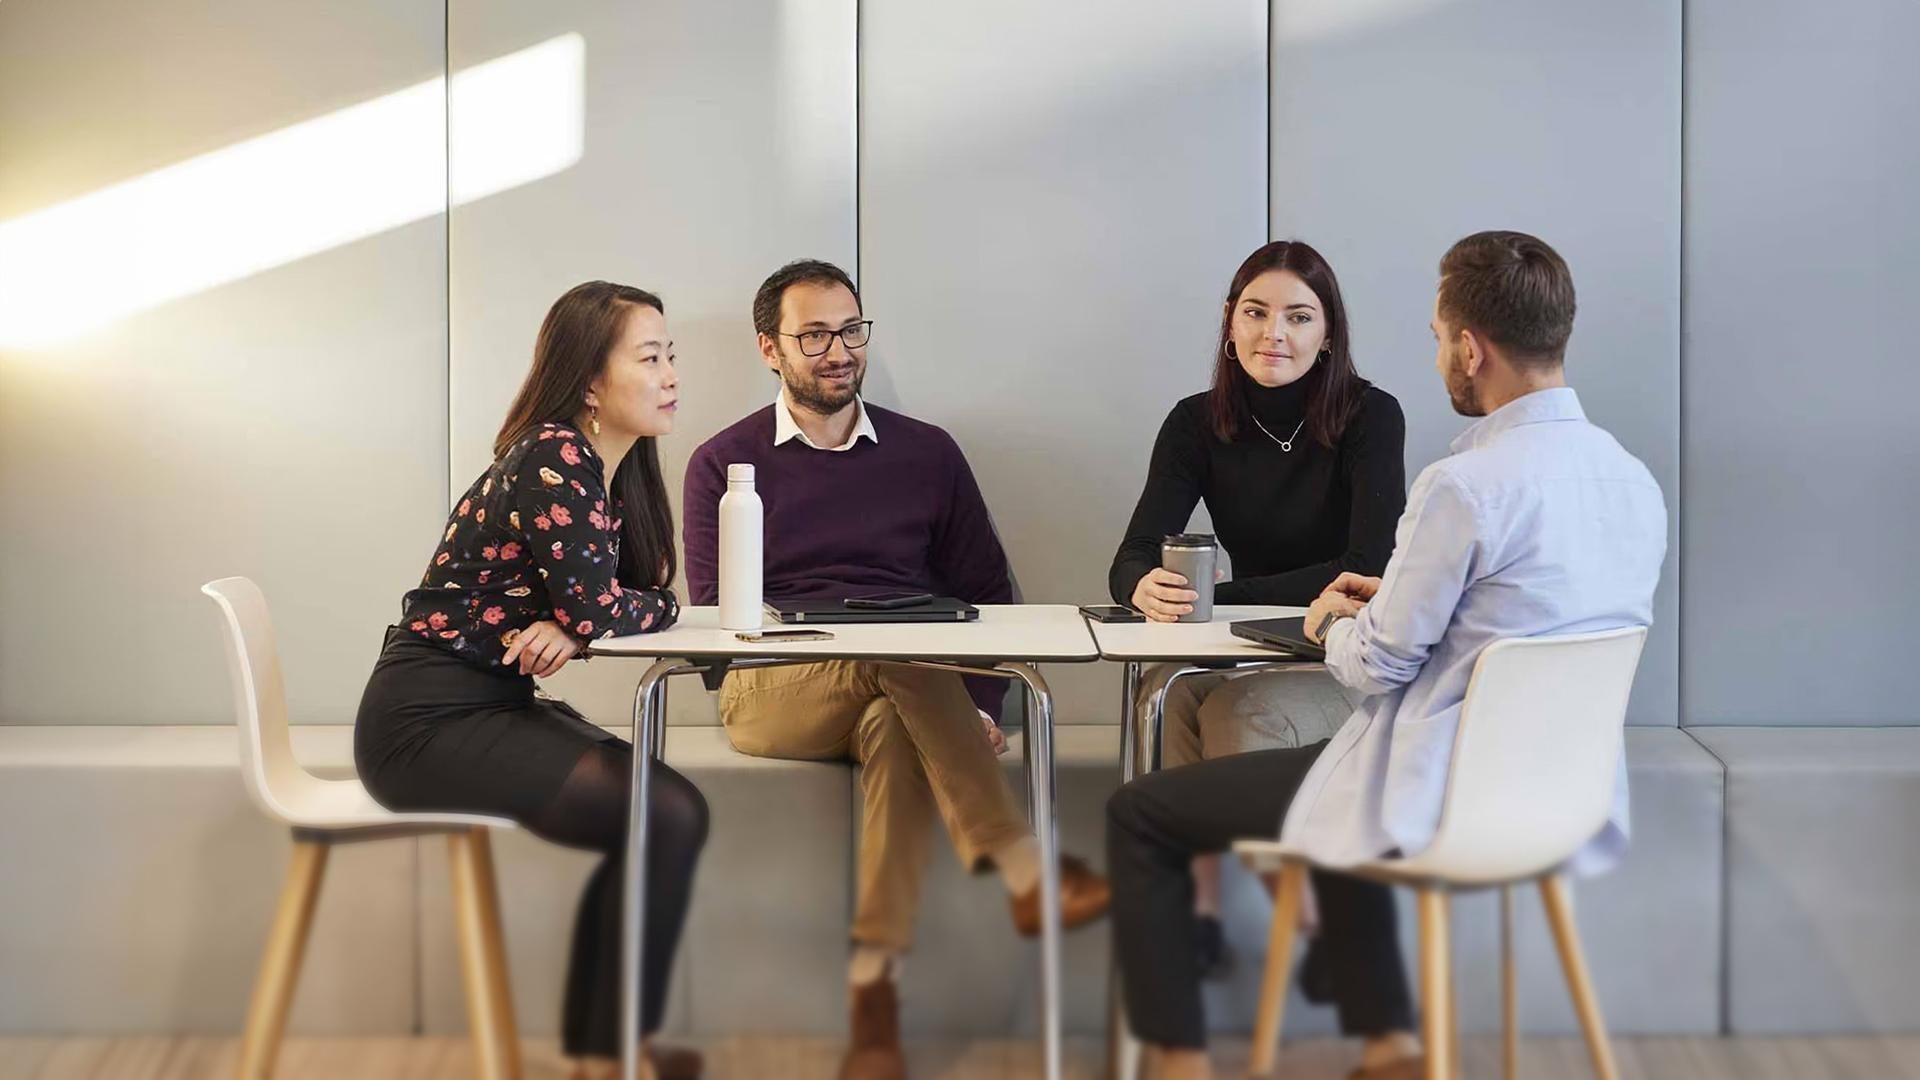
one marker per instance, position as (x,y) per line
(323,813)
(1530,782)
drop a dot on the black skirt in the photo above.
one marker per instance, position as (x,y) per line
(434,732)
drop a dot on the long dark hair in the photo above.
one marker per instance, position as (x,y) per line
(579,332)
(1333,386)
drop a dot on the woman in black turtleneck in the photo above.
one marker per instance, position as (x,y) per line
(1300,462)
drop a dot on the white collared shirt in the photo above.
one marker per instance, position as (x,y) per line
(785,427)
(1539,523)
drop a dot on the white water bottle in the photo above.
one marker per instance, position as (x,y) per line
(740,551)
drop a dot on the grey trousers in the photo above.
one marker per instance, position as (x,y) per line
(1213,716)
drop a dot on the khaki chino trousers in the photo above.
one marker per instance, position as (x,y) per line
(924,753)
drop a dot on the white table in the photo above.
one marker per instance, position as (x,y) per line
(1199,649)
(1006,642)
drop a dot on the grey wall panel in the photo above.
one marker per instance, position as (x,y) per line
(718,143)
(1052,198)
(1803,259)
(1398,129)
(287,423)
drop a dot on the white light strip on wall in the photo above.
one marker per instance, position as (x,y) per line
(213,219)
(517,119)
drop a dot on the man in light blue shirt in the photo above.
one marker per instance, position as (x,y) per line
(1538,523)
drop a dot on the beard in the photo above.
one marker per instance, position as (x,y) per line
(1460,390)
(814,394)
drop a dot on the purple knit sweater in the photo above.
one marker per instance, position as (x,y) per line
(900,514)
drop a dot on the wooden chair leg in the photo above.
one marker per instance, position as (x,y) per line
(1436,982)
(476,918)
(1509,991)
(1566,936)
(1273,984)
(500,981)
(280,962)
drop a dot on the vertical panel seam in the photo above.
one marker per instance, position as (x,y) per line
(859,142)
(1726,883)
(446,476)
(1266,193)
(1680,561)
(446,232)
(1680,398)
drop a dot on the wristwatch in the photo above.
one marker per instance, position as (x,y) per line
(1326,623)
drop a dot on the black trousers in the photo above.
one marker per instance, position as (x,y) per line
(435,733)
(1159,822)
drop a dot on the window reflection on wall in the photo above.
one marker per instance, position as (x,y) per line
(82,264)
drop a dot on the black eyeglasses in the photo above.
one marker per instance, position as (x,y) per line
(817,342)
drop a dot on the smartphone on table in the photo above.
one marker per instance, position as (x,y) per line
(1111,613)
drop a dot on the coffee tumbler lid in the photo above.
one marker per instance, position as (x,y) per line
(740,472)
(1189,540)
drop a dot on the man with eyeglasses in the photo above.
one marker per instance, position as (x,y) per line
(860,501)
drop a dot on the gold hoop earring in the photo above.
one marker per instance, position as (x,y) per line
(593,419)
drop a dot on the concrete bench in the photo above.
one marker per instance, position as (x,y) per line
(1823,878)
(141,881)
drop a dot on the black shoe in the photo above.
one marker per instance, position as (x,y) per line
(1209,947)
(1316,974)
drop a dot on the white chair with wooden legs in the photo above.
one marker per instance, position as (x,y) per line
(1531,781)
(323,813)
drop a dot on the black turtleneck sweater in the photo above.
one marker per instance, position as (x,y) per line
(1291,521)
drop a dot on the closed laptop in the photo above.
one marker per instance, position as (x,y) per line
(933,609)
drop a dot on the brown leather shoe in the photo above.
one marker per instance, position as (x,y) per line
(1083,898)
(675,1062)
(873,1053)
(1413,1068)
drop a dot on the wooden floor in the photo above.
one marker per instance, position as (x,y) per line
(397,1058)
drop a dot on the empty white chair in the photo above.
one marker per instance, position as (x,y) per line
(323,813)
(1531,781)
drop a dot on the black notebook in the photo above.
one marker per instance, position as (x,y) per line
(1287,634)
(936,609)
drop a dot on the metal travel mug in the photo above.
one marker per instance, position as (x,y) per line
(1192,556)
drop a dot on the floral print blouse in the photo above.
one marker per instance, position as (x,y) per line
(536,537)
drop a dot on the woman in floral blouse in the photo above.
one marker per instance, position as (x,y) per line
(566,537)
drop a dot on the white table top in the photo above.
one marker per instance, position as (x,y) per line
(1055,633)
(1200,642)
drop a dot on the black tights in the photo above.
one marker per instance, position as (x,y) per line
(590,811)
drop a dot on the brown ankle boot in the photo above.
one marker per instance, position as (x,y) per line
(675,1062)
(874,1050)
(1083,898)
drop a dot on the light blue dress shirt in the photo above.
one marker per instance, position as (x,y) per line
(1538,523)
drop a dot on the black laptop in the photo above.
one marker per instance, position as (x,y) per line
(1289,635)
(918,610)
